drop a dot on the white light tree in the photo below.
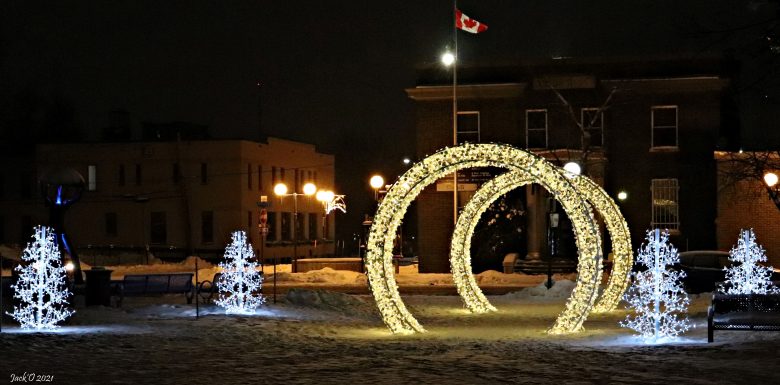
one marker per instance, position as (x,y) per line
(240,283)
(747,276)
(41,287)
(657,296)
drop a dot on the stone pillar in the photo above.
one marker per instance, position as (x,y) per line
(536,220)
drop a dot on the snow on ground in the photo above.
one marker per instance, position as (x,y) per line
(332,338)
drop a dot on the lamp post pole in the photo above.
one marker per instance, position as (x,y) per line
(295,233)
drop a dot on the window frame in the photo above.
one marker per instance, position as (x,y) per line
(479,126)
(546,128)
(665,189)
(676,126)
(600,129)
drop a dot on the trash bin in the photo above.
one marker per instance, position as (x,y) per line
(98,289)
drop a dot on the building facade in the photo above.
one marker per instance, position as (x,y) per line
(644,128)
(176,197)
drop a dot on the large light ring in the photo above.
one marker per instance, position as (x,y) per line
(460,257)
(379,261)
(622,254)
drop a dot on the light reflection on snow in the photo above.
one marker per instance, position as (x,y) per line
(88,329)
(635,341)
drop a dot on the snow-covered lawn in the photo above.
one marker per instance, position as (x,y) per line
(320,337)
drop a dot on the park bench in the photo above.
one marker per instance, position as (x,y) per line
(206,290)
(743,312)
(134,285)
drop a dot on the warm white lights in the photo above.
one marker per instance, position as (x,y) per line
(379,258)
(377,181)
(573,168)
(309,189)
(460,259)
(324,196)
(69,267)
(770,179)
(407,161)
(447,59)
(622,195)
(280,189)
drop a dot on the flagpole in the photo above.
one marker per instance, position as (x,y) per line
(455,111)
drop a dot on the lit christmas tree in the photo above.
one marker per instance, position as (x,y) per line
(656,296)
(239,285)
(41,286)
(747,276)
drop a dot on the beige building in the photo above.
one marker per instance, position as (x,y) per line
(171,197)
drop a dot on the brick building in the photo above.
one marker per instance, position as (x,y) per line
(652,127)
(174,196)
(743,202)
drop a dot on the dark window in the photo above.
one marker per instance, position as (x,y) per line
(664,126)
(281,175)
(207,226)
(2,229)
(273,175)
(299,225)
(204,173)
(249,176)
(2,186)
(259,177)
(249,229)
(111,225)
(536,128)
(315,177)
(297,182)
(121,175)
(313,226)
(286,226)
(176,173)
(158,231)
(592,121)
(468,126)
(271,226)
(138,175)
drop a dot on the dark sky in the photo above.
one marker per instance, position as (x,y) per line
(332,73)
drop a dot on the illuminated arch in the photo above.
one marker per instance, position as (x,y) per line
(379,256)
(460,258)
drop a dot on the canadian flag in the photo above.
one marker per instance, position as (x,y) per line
(468,24)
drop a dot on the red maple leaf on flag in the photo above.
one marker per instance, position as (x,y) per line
(470,23)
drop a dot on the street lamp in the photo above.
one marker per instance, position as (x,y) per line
(622,195)
(771,179)
(573,168)
(447,59)
(376,183)
(281,191)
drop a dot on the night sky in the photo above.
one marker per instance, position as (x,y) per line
(333,73)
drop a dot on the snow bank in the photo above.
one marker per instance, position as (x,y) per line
(344,304)
(325,275)
(561,289)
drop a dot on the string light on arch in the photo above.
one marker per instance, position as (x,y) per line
(460,258)
(379,265)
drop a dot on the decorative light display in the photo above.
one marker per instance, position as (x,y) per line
(657,297)
(379,257)
(622,254)
(41,287)
(747,276)
(460,258)
(240,282)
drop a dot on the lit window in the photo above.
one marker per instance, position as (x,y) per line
(468,127)
(592,120)
(92,177)
(665,204)
(663,121)
(536,128)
